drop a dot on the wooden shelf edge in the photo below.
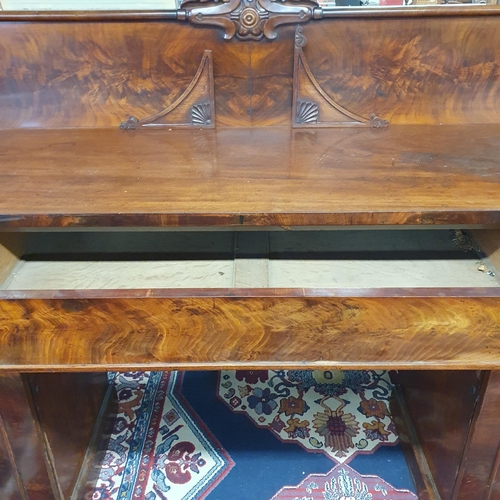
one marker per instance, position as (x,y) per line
(455,218)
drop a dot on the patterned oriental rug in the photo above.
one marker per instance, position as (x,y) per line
(254,435)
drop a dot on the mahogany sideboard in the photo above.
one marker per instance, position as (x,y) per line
(249,184)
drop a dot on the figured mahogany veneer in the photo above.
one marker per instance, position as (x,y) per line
(412,175)
(198,330)
(68,81)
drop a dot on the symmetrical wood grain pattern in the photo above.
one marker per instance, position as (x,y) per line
(251,177)
(409,71)
(250,328)
(78,74)
(32,475)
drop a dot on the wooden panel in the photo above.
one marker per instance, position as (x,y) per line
(21,429)
(250,177)
(441,406)
(250,328)
(456,416)
(98,74)
(11,487)
(479,477)
(89,75)
(414,455)
(422,70)
(68,407)
(409,71)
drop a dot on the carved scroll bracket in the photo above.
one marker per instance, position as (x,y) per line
(250,19)
(193,108)
(312,106)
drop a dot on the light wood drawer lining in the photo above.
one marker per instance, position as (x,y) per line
(301,259)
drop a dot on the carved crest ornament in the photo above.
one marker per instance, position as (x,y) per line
(249,19)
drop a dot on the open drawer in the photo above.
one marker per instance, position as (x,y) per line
(213,299)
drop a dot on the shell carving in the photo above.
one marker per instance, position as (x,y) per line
(131,123)
(307,112)
(201,114)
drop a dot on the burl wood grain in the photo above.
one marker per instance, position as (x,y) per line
(283,330)
(410,70)
(419,175)
(77,74)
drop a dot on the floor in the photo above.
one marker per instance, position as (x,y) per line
(254,435)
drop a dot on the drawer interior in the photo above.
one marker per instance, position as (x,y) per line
(69,260)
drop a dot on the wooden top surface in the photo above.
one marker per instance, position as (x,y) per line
(250,177)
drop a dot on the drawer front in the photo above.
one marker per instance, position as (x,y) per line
(250,328)
(351,299)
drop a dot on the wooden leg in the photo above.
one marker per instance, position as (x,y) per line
(30,474)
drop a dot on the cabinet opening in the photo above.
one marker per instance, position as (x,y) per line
(250,259)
